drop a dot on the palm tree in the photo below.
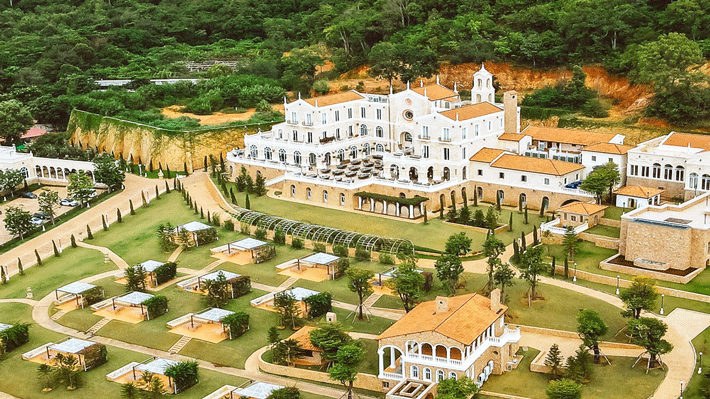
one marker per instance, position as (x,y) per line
(44,374)
(129,391)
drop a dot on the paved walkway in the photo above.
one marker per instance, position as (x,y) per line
(117,260)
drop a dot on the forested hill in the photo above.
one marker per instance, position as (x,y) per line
(50,50)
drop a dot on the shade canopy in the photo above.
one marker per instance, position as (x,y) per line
(76,288)
(320,258)
(248,243)
(214,314)
(156,366)
(150,265)
(257,390)
(134,298)
(213,276)
(301,293)
(71,345)
(194,226)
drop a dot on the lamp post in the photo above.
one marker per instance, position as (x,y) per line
(617,284)
(662,302)
(681,390)
(700,363)
(575,272)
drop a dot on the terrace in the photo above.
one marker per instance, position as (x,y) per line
(128,308)
(206,325)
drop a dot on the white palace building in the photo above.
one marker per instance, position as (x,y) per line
(378,153)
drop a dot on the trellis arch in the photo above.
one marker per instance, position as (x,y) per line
(303,230)
(268,222)
(251,217)
(287,226)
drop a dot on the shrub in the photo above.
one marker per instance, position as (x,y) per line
(319,304)
(228,225)
(297,243)
(184,375)
(279,237)
(156,306)
(238,324)
(341,267)
(318,247)
(206,236)
(94,356)
(215,220)
(260,233)
(94,295)
(593,108)
(386,259)
(362,254)
(165,273)
(321,87)
(14,337)
(245,228)
(241,286)
(340,250)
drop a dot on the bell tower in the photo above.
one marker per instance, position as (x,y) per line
(482,89)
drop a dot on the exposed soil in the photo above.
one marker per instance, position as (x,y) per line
(216,118)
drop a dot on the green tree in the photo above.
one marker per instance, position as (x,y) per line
(448,269)
(17,221)
(329,337)
(285,393)
(44,374)
(359,283)
(492,249)
(640,296)
(10,179)
(80,187)
(564,389)
(218,294)
(67,370)
(458,244)
(591,327)
(408,283)
(108,172)
(260,185)
(345,369)
(287,308)
(456,388)
(604,178)
(135,278)
(648,332)
(531,266)
(300,68)
(554,361)
(578,366)
(492,218)
(570,242)
(48,201)
(504,276)
(15,120)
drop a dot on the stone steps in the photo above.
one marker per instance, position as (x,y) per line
(96,327)
(289,282)
(370,301)
(179,345)
(58,315)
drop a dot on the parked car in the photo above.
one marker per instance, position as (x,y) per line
(37,221)
(93,194)
(68,202)
(41,215)
(28,195)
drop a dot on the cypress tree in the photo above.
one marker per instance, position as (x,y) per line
(475,196)
(231,194)
(202,213)
(510,222)
(143,199)
(157,193)
(552,271)
(151,166)
(103,222)
(189,201)
(185,168)
(39,259)
(3,277)
(167,171)
(19,267)
(205,162)
(566,268)
(535,240)
(88,233)
(526,214)
(498,202)
(453,204)
(247,204)
(56,251)
(167,187)
(516,251)
(221,162)
(520,206)
(441,212)
(425,214)
(130,203)
(465,201)
(224,189)
(119,218)
(523,245)
(73,241)
(209,218)
(196,212)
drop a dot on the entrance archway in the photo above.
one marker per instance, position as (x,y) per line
(446,174)
(413,174)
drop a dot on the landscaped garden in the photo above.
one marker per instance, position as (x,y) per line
(602,230)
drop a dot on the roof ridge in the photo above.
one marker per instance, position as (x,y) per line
(452,313)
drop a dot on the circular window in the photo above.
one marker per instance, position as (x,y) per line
(408,114)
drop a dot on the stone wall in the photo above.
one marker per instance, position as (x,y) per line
(658,243)
(148,143)
(600,241)
(649,273)
(534,197)
(610,222)
(671,189)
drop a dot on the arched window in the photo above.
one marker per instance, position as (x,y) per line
(26,172)
(479,191)
(267,153)
(366,149)
(501,195)
(325,196)
(353,152)
(705,182)
(363,130)
(693,181)
(408,137)
(282,155)
(380,148)
(341,154)
(453,375)
(427,374)
(668,172)
(342,199)
(253,151)
(480,83)
(656,171)
(463,173)
(293,190)
(308,193)
(440,375)
(297,157)
(280,134)
(415,372)
(446,174)
(679,173)
(488,83)
(312,158)
(379,132)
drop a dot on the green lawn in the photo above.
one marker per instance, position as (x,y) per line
(589,256)
(614,212)
(430,235)
(702,344)
(607,231)
(23,382)
(266,273)
(615,381)
(74,264)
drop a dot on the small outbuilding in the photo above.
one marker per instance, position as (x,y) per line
(300,294)
(637,196)
(247,250)
(315,267)
(88,354)
(128,307)
(197,233)
(73,295)
(238,284)
(134,371)
(577,213)
(311,355)
(248,390)
(206,325)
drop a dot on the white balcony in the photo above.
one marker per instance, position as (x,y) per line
(390,376)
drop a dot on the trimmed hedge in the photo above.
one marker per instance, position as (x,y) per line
(238,324)
(241,285)
(416,200)
(156,306)
(165,273)
(94,356)
(319,304)
(14,337)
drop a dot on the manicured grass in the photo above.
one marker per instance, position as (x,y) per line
(701,344)
(339,288)
(589,256)
(607,231)
(74,264)
(430,235)
(615,381)
(371,363)
(372,325)
(135,239)
(614,212)
(389,302)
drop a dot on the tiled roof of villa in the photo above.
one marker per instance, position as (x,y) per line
(688,140)
(609,148)
(471,111)
(511,136)
(486,155)
(638,191)
(567,136)
(466,318)
(332,99)
(303,337)
(582,208)
(536,165)
(435,92)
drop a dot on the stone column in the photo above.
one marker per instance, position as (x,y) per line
(392,359)
(359,203)
(372,204)
(380,354)
(411,211)
(397,209)
(384,208)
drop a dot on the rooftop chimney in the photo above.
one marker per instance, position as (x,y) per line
(442,304)
(495,299)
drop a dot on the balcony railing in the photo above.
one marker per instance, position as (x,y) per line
(392,376)
(306,123)
(290,122)
(445,139)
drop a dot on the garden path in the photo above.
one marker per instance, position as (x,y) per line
(117,260)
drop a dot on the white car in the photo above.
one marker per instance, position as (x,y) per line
(68,202)
(37,221)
